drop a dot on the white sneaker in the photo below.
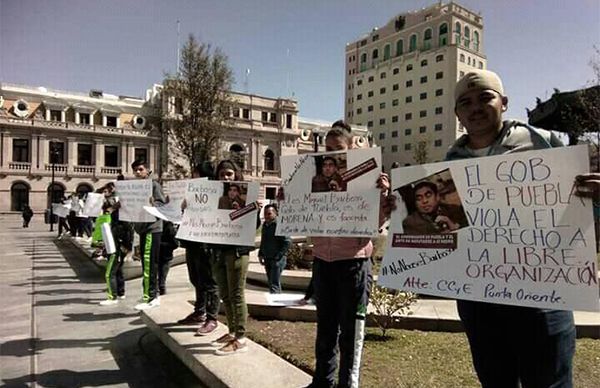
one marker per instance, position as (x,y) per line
(109,302)
(145,306)
(122,297)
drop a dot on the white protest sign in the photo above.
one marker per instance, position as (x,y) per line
(330,194)
(220,212)
(60,210)
(501,229)
(176,191)
(93,205)
(133,196)
(168,212)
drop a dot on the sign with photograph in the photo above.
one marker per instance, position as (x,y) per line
(220,212)
(330,194)
(133,196)
(502,229)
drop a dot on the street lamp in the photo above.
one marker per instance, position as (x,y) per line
(53,156)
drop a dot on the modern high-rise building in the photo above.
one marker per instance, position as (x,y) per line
(400,80)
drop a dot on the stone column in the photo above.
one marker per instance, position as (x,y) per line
(124,159)
(6,148)
(43,155)
(33,146)
(99,155)
(77,118)
(71,153)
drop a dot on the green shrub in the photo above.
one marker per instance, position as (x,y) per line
(389,306)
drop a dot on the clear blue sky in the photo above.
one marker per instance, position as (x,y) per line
(124,46)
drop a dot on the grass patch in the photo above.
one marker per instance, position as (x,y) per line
(407,358)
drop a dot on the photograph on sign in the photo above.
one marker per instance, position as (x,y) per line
(234,196)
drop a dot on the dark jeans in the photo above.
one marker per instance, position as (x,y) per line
(164,265)
(512,344)
(198,259)
(150,250)
(73,223)
(229,270)
(62,225)
(274,269)
(342,289)
(115,283)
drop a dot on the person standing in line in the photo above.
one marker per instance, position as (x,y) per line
(150,235)
(198,258)
(273,249)
(511,346)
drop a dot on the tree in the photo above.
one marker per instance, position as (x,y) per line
(198,105)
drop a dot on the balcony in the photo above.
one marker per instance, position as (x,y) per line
(84,170)
(19,166)
(271,173)
(57,167)
(110,170)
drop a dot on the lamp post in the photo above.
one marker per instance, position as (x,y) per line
(53,156)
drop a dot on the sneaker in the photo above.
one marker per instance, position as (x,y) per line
(222,340)
(232,347)
(194,318)
(145,306)
(207,328)
(122,297)
(109,302)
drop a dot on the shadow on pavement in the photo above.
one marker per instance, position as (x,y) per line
(69,378)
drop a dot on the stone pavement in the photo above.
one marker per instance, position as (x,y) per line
(52,331)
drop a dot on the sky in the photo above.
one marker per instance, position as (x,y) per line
(292,48)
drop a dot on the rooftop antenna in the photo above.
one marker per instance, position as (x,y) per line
(177,64)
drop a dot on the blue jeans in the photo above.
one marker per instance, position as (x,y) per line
(512,344)
(274,269)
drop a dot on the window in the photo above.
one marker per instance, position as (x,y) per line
(269,160)
(370,108)
(427,38)
(363,58)
(370,93)
(480,65)
(395,86)
(424,79)
(438,110)
(382,75)
(371,79)
(422,129)
(84,118)
(443,34)
(288,121)
(273,117)
(382,105)
(111,156)
(424,63)
(238,155)
(394,119)
(423,96)
(84,155)
(270,192)
(140,154)
(407,131)
(111,121)
(359,82)
(381,136)
(409,83)
(19,196)
(394,133)
(439,58)
(375,55)
(375,37)
(386,52)
(439,92)
(462,58)
(475,40)
(396,70)
(370,124)
(423,113)
(438,127)
(395,102)
(467,36)
(412,44)
(409,67)
(439,75)
(56,152)
(407,147)
(20,150)
(408,116)
(264,116)
(235,112)
(399,47)
(381,121)
(437,143)
(394,148)
(55,115)
(382,91)
(246,113)
(408,99)
(359,111)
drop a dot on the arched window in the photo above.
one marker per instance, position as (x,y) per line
(475,40)
(462,58)
(238,155)
(427,38)
(269,160)
(19,196)
(457,32)
(386,52)
(443,34)
(467,36)
(399,47)
(412,43)
(83,189)
(55,194)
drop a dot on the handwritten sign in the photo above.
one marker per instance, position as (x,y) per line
(134,195)
(207,218)
(93,205)
(529,240)
(331,194)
